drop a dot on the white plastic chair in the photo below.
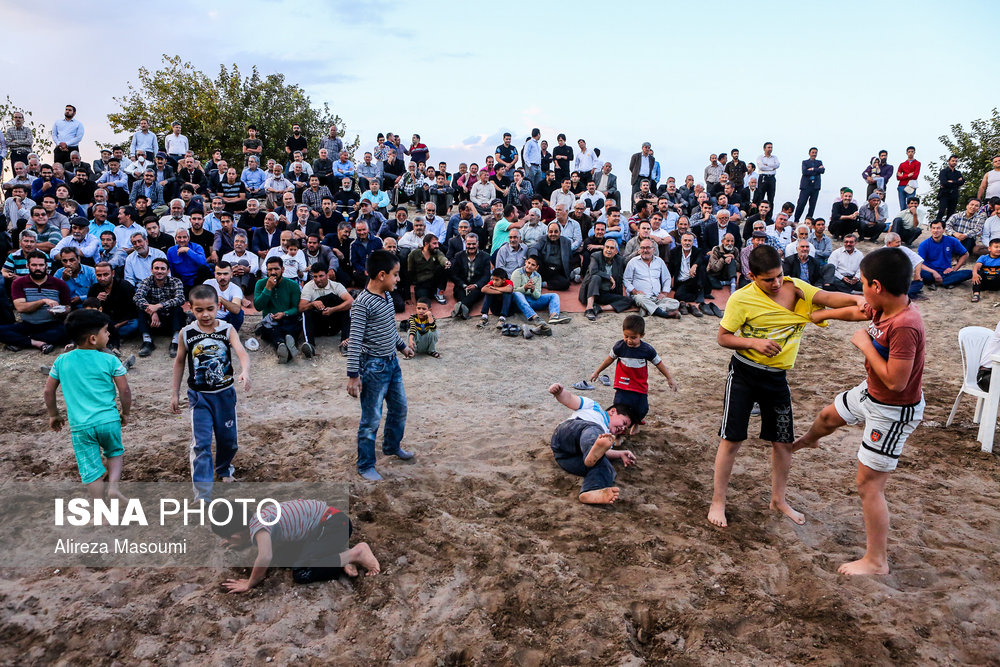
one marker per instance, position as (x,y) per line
(971,340)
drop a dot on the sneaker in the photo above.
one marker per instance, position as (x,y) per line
(283,353)
(402,454)
(290,344)
(465,312)
(130,362)
(173,350)
(704,309)
(591,314)
(308,351)
(146,349)
(371,475)
(440,298)
(560,319)
(932,286)
(542,330)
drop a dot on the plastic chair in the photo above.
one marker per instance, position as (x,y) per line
(971,341)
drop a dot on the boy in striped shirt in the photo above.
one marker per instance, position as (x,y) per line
(372,368)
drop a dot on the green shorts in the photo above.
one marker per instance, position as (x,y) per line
(89,442)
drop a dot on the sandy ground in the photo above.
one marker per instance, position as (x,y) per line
(487,556)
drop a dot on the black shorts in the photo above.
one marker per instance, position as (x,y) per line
(637,402)
(747,384)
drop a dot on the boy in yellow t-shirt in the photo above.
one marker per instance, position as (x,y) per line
(763,324)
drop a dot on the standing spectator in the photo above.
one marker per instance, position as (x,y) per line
(295,142)
(809,184)
(175,145)
(907,175)
(19,139)
(418,151)
(641,167)
(878,173)
(990,185)
(562,156)
(951,180)
(145,141)
(533,158)
(67,133)
(768,165)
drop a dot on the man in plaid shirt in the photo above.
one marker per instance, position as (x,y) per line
(967,226)
(160,297)
(19,139)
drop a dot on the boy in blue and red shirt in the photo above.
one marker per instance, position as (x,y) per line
(631,375)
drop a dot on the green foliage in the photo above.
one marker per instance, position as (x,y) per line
(43,137)
(214,113)
(975,149)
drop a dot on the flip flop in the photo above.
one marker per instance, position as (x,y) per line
(975,298)
(605,380)
(583,385)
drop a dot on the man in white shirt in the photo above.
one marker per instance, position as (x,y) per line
(434,224)
(563,195)
(846,262)
(781,230)
(801,234)
(231,299)
(169,224)
(894,240)
(767,165)
(647,282)
(139,264)
(245,264)
(175,144)
(584,162)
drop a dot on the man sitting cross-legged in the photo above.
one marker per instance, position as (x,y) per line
(470,271)
(326,308)
(583,445)
(647,282)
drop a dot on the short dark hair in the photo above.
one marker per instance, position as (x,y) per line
(273,260)
(106,231)
(206,292)
(36,254)
(381,261)
(92,303)
(762,259)
(634,323)
(83,323)
(507,210)
(223,264)
(623,410)
(160,259)
(425,300)
(911,148)
(319,267)
(890,267)
(499,273)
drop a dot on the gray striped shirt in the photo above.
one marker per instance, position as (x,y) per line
(373,330)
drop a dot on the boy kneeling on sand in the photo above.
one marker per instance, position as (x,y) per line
(310,525)
(583,444)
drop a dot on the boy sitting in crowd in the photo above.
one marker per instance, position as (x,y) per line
(423,335)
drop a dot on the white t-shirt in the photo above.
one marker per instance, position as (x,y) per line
(294,266)
(232,293)
(592,412)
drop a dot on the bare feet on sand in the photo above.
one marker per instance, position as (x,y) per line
(786,509)
(604,442)
(360,555)
(863,566)
(717,514)
(600,496)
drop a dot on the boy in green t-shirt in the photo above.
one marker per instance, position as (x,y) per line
(89,379)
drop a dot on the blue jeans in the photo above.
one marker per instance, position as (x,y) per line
(381,380)
(499,306)
(124,331)
(212,413)
(534,175)
(528,305)
(901,190)
(915,287)
(952,278)
(236,321)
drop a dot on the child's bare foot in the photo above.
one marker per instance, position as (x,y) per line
(361,555)
(786,509)
(804,443)
(114,492)
(605,496)
(717,514)
(604,442)
(863,566)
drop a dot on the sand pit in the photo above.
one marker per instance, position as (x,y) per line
(487,556)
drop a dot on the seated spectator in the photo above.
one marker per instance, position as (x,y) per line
(938,252)
(802,265)
(604,285)
(503,226)
(436,225)
(110,252)
(292,259)
(363,245)
(368,215)
(277,299)
(315,251)
(367,172)
(594,242)
(991,228)
(88,245)
(724,264)
(647,282)
(801,234)
(407,188)
(267,237)
(466,212)
(254,178)
(893,240)
(187,261)
(402,287)
(846,263)
(871,218)
(758,237)
(245,265)
(78,277)
(844,216)
(37,297)
(231,299)
(379,198)
(470,271)
(456,244)
(176,219)
(302,224)
(780,233)
(632,247)
(139,263)
(555,258)
(967,226)
(160,300)
(47,235)
(427,269)
(276,186)
(528,296)
(820,240)
(660,235)
(986,271)
(711,236)
(687,268)
(607,184)
(497,295)
(614,229)
(533,230)
(222,243)
(326,309)
(117,299)
(422,335)
(199,236)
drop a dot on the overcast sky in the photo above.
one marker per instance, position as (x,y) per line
(692,78)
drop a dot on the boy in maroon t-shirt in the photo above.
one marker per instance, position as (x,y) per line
(890,400)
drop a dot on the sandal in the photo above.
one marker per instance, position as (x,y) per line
(605,380)
(583,385)
(591,315)
(435,354)
(975,298)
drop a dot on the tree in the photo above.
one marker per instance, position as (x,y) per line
(975,149)
(215,113)
(43,139)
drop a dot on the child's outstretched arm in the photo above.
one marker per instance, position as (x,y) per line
(566,398)
(846,314)
(662,367)
(604,364)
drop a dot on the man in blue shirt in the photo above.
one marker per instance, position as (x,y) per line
(343,168)
(253,178)
(144,140)
(67,133)
(78,277)
(937,253)
(46,183)
(533,158)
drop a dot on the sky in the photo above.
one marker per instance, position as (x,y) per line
(847,77)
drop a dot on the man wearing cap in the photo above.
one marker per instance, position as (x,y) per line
(88,245)
(175,144)
(101,165)
(114,182)
(871,218)
(144,141)
(67,133)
